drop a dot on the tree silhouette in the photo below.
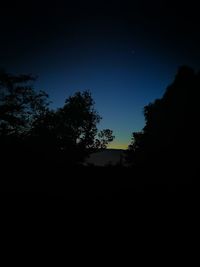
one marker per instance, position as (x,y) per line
(170,138)
(71,131)
(20,105)
(27,125)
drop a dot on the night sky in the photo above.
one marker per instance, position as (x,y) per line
(125,52)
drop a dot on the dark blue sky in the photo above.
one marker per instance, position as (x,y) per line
(125,52)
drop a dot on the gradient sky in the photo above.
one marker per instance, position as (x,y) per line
(125,52)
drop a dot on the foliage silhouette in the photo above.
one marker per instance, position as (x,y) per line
(71,131)
(169,142)
(29,128)
(38,145)
(20,105)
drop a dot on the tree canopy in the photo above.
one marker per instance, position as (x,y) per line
(20,105)
(72,129)
(69,133)
(170,137)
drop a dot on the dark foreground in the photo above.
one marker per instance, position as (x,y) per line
(90,182)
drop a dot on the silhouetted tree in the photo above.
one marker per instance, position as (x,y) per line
(71,131)
(104,138)
(170,138)
(28,127)
(20,105)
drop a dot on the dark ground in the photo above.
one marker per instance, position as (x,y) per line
(116,183)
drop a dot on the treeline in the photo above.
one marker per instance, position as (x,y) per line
(31,131)
(168,145)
